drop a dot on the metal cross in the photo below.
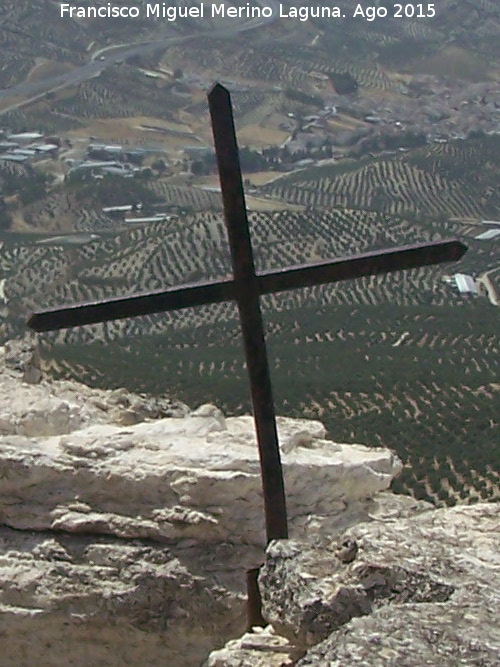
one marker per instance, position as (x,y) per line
(245,287)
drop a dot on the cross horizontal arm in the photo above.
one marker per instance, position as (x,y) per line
(357,266)
(173,298)
(276,280)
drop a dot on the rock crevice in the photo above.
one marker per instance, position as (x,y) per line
(421,589)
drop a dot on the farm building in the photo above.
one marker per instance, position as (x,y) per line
(25,137)
(488,236)
(465,283)
(107,148)
(29,152)
(118,209)
(45,148)
(13,158)
(158,217)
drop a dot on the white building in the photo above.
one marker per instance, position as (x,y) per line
(465,283)
(488,236)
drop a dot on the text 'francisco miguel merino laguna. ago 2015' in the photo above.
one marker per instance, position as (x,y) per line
(172,13)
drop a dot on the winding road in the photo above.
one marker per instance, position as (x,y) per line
(489,285)
(35,90)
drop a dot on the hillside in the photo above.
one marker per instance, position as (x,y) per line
(365,145)
(403,360)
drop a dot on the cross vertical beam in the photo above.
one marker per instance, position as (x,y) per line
(248,302)
(244,287)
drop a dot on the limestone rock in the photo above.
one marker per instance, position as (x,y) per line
(260,648)
(422,590)
(127,522)
(49,407)
(196,477)
(85,600)
(78,459)
(23,355)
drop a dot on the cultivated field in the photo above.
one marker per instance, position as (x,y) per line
(405,360)
(402,360)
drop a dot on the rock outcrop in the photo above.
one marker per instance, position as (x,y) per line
(127,523)
(420,590)
(89,600)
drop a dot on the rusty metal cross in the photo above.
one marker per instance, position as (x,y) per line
(245,287)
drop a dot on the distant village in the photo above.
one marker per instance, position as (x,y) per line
(27,146)
(32,147)
(316,128)
(429,108)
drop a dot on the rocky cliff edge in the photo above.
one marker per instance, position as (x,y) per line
(127,522)
(412,587)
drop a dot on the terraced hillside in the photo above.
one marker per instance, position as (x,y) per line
(20,22)
(381,57)
(456,179)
